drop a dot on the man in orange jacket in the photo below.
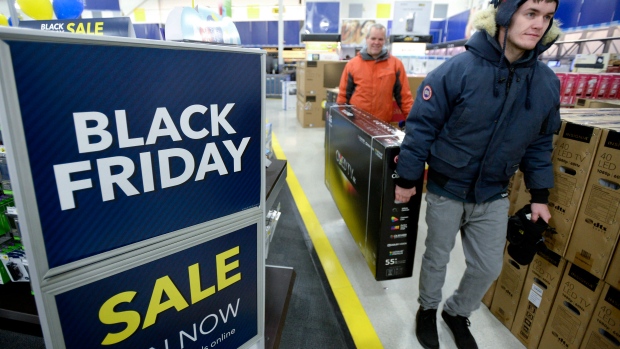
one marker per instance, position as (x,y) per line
(374,79)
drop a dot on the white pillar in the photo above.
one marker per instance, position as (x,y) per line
(280,35)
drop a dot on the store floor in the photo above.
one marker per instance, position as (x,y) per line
(378,314)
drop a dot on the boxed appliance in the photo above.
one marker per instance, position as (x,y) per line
(602,86)
(488,297)
(572,309)
(313,77)
(572,160)
(359,173)
(591,63)
(613,273)
(414,82)
(289,93)
(541,285)
(562,78)
(586,85)
(614,87)
(569,89)
(604,329)
(331,96)
(310,111)
(596,228)
(518,195)
(508,290)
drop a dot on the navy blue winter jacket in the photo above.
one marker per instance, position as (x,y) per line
(473,141)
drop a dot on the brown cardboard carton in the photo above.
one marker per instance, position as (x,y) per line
(519,195)
(513,190)
(613,272)
(596,229)
(604,329)
(414,82)
(313,77)
(572,160)
(541,285)
(310,112)
(508,290)
(572,309)
(488,297)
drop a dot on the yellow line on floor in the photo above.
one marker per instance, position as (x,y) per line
(361,329)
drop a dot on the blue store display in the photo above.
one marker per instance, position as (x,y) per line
(138,173)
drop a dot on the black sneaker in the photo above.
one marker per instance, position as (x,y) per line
(426,328)
(459,325)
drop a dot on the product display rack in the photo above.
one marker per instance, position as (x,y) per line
(17,302)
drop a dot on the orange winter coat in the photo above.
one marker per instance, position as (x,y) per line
(372,85)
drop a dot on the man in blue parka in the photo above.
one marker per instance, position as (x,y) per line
(478,118)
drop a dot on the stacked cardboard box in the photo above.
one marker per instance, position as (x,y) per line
(604,329)
(508,290)
(518,193)
(414,83)
(613,273)
(596,228)
(572,309)
(568,88)
(313,79)
(583,312)
(596,103)
(488,297)
(539,291)
(572,160)
(595,86)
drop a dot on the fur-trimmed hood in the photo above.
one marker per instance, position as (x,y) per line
(485,20)
(488,21)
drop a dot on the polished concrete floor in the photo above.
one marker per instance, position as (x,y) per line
(389,305)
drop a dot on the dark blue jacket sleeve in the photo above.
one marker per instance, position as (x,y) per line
(431,109)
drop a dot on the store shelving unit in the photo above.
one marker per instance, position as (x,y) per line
(586,41)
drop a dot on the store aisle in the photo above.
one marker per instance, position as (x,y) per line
(389,306)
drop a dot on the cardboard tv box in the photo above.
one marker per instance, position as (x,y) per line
(360,174)
(331,96)
(310,111)
(488,297)
(508,290)
(313,77)
(604,329)
(539,291)
(613,273)
(414,83)
(572,160)
(596,229)
(572,309)
(518,194)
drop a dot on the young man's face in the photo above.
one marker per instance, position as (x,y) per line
(529,24)
(375,42)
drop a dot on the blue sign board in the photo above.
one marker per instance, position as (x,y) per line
(102,5)
(568,12)
(120,26)
(322,17)
(596,11)
(202,297)
(130,143)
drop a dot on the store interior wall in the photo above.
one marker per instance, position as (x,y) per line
(156,11)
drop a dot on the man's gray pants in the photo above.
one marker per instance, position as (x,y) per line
(483,235)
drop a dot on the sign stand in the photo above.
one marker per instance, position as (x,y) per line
(138,173)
